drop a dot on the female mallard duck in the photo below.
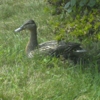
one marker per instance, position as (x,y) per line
(53,47)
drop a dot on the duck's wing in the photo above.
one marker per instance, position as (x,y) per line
(55,48)
(48,47)
(68,49)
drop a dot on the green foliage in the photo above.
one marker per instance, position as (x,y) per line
(79,19)
(73,5)
(86,27)
(70,6)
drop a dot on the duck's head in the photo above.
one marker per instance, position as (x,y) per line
(29,25)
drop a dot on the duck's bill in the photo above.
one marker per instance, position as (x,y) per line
(19,29)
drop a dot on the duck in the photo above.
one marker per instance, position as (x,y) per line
(52,48)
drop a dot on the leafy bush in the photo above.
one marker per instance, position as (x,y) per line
(79,18)
(74,5)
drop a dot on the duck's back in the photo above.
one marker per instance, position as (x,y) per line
(55,48)
(48,47)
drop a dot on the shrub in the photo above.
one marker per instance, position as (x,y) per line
(79,18)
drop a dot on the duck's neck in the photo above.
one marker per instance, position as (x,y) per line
(33,43)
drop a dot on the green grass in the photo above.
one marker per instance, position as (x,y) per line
(39,78)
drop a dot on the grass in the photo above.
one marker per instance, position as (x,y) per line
(39,78)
